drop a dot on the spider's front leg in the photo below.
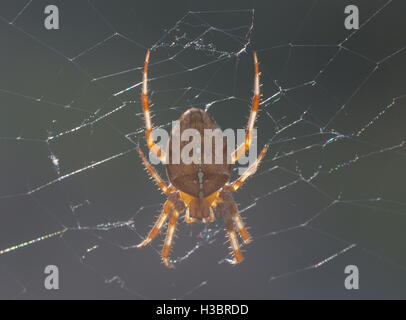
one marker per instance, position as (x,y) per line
(244,147)
(147,115)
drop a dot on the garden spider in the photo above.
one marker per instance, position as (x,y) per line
(199,189)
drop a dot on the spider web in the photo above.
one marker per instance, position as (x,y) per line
(329,193)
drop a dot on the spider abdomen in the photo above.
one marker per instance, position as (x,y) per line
(205,175)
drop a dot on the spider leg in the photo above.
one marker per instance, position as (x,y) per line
(232,237)
(227,207)
(168,207)
(239,224)
(148,124)
(188,219)
(160,182)
(169,238)
(244,147)
(239,182)
(226,204)
(212,217)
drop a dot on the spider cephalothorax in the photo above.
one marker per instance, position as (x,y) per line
(199,189)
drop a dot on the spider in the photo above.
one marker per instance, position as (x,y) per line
(199,188)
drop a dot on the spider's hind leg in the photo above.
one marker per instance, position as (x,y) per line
(227,208)
(158,224)
(232,237)
(226,204)
(169,239)
(178,208)
(174,203)
(239,224)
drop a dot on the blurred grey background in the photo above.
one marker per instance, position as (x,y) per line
(52,81)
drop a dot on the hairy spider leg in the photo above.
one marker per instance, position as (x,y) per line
(226,204)
(240,181)
(188,218)
(239,224)
(147,116)
(212,217)
(167,209)
(169,238)
(244,147)
(232,237)
(151,170)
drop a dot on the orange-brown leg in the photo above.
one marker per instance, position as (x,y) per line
(188,218)
(212,217)
(159,181)
(239,182)
(168,206)
(232,237)
(239,224)
(169,238)
(147,115)
(243,148)
(226,204)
